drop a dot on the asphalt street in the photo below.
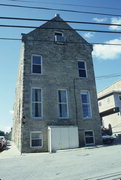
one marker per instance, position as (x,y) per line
(94,163)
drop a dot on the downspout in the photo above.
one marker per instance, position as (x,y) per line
(76,110)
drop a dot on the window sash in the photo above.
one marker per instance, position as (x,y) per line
(36,64)
(36,110)
(62,103)
(36,69)
(63,110)
(82,69)
(36,140)
(59,37)
(89,140)
(86,106)
(36,103)
(89,137)
(36,95)
(82,73)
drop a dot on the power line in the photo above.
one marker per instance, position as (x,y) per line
(67,4)
(56,9)
(68,29)
(16,39)
(78,22)
(68,42)
(107,76)
(97,77)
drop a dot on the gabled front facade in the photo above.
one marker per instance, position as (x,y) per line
(55,89)
(109,102)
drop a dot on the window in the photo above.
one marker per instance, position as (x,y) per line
(86,108)
(36,103)
(82,69)
(36,64)
(59,37)
(119,97)
(36,139)
(89,138)
(62,101)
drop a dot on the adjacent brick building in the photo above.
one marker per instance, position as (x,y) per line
(55,90)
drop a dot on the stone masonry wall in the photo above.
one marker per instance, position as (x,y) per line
(59,71)
(18,105)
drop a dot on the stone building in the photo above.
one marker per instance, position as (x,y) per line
(109,101)
(56,104)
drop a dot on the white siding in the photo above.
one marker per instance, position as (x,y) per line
(62,138)
(106,103)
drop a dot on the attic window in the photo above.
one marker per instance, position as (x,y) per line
(59,37)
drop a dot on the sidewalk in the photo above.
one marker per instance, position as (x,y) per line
(10,151)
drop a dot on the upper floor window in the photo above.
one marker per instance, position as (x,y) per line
(62,102)
(59,37)
(82,69)
(36,103)
(86,106)
(36,64)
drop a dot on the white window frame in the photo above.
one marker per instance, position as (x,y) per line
(38,64)
(33,117)
(35,147)
(85,64)
(63,103)
(55,37)
(89,104)
(93,136)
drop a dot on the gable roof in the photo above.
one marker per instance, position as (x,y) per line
(58,24)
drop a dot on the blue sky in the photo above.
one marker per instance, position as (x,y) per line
(106,59)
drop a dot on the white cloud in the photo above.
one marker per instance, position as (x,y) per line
(115,21)
(108,51)
(99,20)
(5,128)
(89,35)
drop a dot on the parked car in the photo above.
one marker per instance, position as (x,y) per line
(1,144)
(108,139)
(3,141)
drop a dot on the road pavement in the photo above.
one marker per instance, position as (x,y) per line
(94,163)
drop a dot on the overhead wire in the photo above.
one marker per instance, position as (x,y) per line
(58,9)
(107,76)
(68,29)
(66,42)
(67,21)
(97,77)
(66,4)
